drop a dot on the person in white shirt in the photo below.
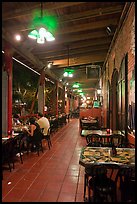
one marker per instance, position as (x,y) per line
(43,123)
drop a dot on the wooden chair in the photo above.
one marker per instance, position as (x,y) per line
(126,176)
(48,138)
(106,141)
(8,153)
(19,145)
(37,142)
(93,140)
(103,186)
(88,174)
(117,140)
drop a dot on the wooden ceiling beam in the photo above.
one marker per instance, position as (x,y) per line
(67,40)
(82,80)
(77,37)
(64,54)
(87,26)
(102,23)
(99,12)
(61,5)
(48,6)
(94,58)
(52,58)
(72,40)
(75,45)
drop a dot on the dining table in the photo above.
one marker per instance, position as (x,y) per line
(89,122)
(16,130)
(92,121)
(4,139)
(84,133)
(19,128)
(94,155)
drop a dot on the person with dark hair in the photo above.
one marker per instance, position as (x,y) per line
(35,134)
(16,120)
(43,123)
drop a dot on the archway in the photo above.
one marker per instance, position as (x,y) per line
(114,101)
(108,104)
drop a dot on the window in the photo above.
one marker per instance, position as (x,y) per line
(122,96)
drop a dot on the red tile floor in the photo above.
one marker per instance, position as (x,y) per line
(54,176)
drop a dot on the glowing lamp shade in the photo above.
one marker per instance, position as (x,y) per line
(76,85)
(41,39)
(70,75)
(98,91)
(33,34)
(41,35)
(81,94)
(65,74)
(49,36)
(44,33)
(79,91)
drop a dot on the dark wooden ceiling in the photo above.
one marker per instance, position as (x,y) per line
(81,35)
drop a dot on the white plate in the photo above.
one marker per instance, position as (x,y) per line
(15,134)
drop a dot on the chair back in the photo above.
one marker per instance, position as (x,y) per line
(80,123)
(106,140)
(48,132)
(117,140)
(126,175)
(38,134)
(99,171)
(42,130)
(8,150)
(93,140)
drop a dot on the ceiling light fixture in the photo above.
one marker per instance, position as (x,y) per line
(18,37)
(49,65)
(42,33)
(79,91)
(99,91)
(68,72)
(76,85)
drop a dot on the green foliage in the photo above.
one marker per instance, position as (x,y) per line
(24,86)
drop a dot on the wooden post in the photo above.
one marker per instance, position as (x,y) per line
(57,89)
(40,81)
(8,68)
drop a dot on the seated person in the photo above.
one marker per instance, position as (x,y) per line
(35,134)
(43,123)
(16,120)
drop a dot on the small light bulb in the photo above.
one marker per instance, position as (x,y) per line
(18,37)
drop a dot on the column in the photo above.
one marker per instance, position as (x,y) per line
(41,93)
(57,90)
(8,68)
(4,102)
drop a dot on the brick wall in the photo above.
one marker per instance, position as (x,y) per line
(124,44)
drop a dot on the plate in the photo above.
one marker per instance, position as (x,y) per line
(15,134)
(5,138)
(86,153)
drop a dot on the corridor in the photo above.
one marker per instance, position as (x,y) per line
(54,176)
